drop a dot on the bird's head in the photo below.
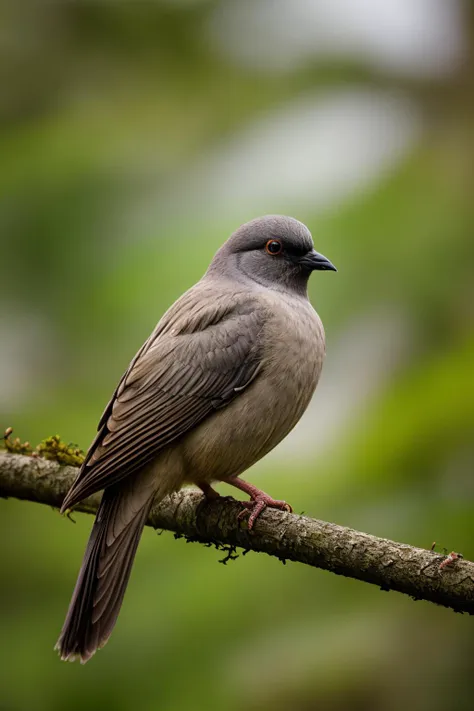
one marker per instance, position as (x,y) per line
(273,251)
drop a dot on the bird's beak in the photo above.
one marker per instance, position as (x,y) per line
(315,261)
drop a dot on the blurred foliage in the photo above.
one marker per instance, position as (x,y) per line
(103,107)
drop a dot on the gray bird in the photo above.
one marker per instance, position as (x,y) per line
(223,378)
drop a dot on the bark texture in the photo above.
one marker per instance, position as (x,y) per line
(422,574)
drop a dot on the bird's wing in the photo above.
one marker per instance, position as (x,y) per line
(201,355)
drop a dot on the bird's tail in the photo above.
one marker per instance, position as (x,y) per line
(106,567)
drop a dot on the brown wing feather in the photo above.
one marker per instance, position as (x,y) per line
(188,367)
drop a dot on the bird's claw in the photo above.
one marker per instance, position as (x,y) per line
(254,508)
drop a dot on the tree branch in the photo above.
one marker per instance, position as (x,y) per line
(422,574)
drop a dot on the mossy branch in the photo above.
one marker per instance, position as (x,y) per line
(421,574)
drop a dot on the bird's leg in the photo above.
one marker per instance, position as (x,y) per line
(260,500)
(210,493)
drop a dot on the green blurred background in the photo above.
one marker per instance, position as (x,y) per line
(134,137)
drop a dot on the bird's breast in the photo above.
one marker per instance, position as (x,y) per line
(294,358)
(258,418)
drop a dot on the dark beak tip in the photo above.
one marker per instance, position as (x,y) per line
(321,263)
(313,261)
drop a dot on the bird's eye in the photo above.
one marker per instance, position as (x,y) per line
(274,247)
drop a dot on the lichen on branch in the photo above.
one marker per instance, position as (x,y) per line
(52,448)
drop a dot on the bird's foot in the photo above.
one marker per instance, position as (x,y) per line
(260,500)
(259,503)
(210,493)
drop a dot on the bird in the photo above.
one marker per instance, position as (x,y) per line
(226,374)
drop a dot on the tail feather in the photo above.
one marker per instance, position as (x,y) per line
(106,568)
